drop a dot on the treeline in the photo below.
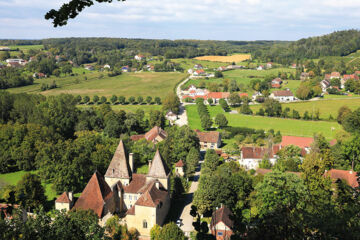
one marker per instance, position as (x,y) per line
(117,100)
(12,77)
(340,43)
(203,112)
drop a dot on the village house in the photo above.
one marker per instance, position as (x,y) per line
(276,83)
(269,65)
(335,75)
(350,177)
(199,72)
(155,135)
(198,66)
(171,116)
(106,66)
(5,49)
(179,168)
(302,142)
(304,76)
(325,84)
(15,62)
(143,200)
(251,157)
(89,67)
(39,75)
(216,96)
(125,69)
(293,65)
(221,224)
(283,96)
(256,95)
(259,68)
(232,67)
(139,57)
(222,69)
(190,71)
(65,201)
(347,77)
(209,140)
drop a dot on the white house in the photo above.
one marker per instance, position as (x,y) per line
(171,116)
(325,84)
(199,72)
(269,65)
(259,68)
(5,49)
(107,66)
(283,96)
(209,140)
(139,57)
(255,95)
(252,156)
(89,67)
(198,66)
(190,71)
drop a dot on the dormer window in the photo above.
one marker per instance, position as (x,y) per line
(113,170)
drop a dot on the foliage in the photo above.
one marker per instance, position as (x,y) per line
(29,192)
(171,103)
(221,120)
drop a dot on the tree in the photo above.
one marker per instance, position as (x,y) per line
(218,74)
(206,122)
(121,99)
(272,108)
(171,231)
(233,87)
(192,160)
(245,109)
(131,100)
(351,153)
(157,100)
(102,100)
(96,98)
(56,72)
(113,99)
(351,122)
(171,103)
(234,99)
(86,99)
(342,112)
(29,191)
(221,120)
(155,232)
(224,105)
(148,99)
(211,161)
(156,118)
(280,202)
(289,159)
(140,99)
(303,92)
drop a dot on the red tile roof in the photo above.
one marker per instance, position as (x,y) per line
(208,137)
(335,75)
(180,163)
(154,133)
(349,176)
(218,95)
(119,167)
(96,192)
(301,142)
(351,76)
(258,152)
(275,85)
(243,95)
(64,198)
(137,184)
(137,137)
(223,214)
(6,209)
(153,196)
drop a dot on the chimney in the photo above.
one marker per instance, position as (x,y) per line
(157,185)
(71,197)
(131,162)
(149,164)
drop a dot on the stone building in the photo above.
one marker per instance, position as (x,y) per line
(143,200)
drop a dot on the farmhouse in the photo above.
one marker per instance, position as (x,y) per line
(89,67)
(293,65)
(269,65)
(15,62)
(39,75)
(222,69)
(139,57)
(209,140)
(199,72)
(350,177)
(276,83)
(198,66)
(283,95)
(302,142)
(304,76)
(251,157)
(325,84)
(335,75)
(143,200)
(155,135)
(221,223)
(216,96)
(261,67)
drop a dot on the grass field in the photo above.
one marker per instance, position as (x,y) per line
(326,107)
(189,63)
(91,83)
(129,108)
(226,59)
(26,48)
(15,177)
(285,126)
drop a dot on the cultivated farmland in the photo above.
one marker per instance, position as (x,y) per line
(226,59)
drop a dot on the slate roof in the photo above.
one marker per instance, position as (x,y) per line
(119,167)
(209,137)
(64,198)
(153,196)
(158,168)
(223,214)
(96,192)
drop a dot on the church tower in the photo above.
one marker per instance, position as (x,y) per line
(159,170)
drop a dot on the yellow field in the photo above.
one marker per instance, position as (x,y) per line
(228,59)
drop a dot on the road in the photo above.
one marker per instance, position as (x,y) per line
(186,218)
(182,117)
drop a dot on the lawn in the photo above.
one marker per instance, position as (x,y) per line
(186,63)
(129,108)
(326,107)
(15,177)
(96,83)
(226,59)
(285,126)
(26,48)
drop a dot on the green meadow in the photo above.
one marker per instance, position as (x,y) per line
(92,83)
(285,126)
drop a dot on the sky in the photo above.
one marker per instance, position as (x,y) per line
(184,19)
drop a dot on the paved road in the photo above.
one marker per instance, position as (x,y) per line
(182,116)
(187,219)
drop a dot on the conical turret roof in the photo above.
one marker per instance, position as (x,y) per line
(158,168)
(119,167)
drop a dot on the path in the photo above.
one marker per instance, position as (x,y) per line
(182,117)
(186,218)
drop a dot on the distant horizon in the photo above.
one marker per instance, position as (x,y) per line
(226,20)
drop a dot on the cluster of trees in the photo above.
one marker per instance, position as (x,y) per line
(224,105)
(118,100)
(352,85)
(273,108)
(308,89)
(168,231)
(252,136)
(203,112)
(168,66)
(281,204)
(14,77)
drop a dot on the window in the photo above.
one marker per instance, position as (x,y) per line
(130,197)
(135,197)
(144,224)
(124,196)
(220,233)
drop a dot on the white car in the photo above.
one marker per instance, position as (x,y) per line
(179,222)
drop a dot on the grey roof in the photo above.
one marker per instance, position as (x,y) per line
(119,167)
(158,168)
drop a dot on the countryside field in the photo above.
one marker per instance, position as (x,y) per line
(326,107)
(189,63)
(226,59)
(285,126)
(14,177)
(96,83)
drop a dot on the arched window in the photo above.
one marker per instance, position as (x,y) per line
(144,224)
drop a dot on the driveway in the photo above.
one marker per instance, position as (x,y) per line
(186,218)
